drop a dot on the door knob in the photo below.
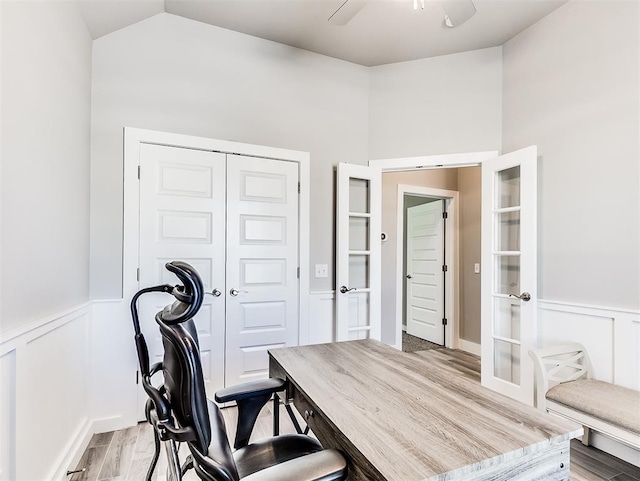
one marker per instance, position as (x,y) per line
(234,292)
(345,289)
(409,276)
(215,293)
(525,296)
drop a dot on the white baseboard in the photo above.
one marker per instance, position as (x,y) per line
(619,450)
(114,423)
(72,454)
(470,347)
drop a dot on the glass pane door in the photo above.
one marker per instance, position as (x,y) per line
(509,278)
(358,253)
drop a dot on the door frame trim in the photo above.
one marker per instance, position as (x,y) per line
(133,137)
(451,259)
(468,159)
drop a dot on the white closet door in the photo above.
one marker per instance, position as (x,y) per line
(425,276)
(182,217)
(262,263)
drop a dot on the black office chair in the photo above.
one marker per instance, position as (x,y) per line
(180,412)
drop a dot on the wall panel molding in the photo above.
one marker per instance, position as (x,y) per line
(322,318)
(51,355)
(612,339)
(611,336)
(45,361)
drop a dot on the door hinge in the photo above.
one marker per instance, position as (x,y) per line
(298,187)
(444,268)
(138,274)
(444,321)
(138,172)
(298,272)
(137,377)
(445,215)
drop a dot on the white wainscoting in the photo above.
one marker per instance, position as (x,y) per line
(612,339)
(70,375)
(113,390)
(611,336)
(45,409)
(322,318)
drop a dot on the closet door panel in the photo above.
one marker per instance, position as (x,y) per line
(262,263)
(182,217)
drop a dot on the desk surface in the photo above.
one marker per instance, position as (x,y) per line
(412,419)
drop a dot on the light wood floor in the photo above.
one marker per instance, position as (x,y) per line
(126,454)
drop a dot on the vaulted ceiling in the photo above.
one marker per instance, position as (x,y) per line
(384,31)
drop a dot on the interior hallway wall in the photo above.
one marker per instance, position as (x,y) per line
(571,87)
(172,74)
(46,104)
(470,188)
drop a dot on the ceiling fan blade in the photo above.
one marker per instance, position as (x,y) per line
(456,12)
(346,12)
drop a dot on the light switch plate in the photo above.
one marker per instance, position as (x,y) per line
(322,270)
(476,268)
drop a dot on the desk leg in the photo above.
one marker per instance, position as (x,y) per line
(276,414)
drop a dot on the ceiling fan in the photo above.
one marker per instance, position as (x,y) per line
(456,12)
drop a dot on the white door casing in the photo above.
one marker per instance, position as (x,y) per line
(358,230)
(425,276)
(182,217)
(509,278)
(262,263)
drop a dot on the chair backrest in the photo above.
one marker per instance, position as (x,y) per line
(184,381)
(558,364)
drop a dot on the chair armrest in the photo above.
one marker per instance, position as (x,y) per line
(325,465)
(249,390)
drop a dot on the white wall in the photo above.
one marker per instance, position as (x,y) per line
(172,74)
(438,105)
(46,95)
(46,102)
(571,87)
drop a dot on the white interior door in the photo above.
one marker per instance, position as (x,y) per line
(358,252)
(182,217)
(262,263)
(509,279)
(425,273)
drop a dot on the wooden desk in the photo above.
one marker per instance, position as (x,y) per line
(398,417)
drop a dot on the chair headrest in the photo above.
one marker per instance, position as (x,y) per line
(188,296)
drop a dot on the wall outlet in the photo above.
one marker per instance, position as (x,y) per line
(476,268)
(322,270)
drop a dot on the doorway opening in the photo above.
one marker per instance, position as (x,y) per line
(435,313)
(456,317)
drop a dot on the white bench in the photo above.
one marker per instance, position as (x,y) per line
(564,386)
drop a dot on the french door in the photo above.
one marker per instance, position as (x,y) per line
(235,219)
(509,279)
(358,253)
